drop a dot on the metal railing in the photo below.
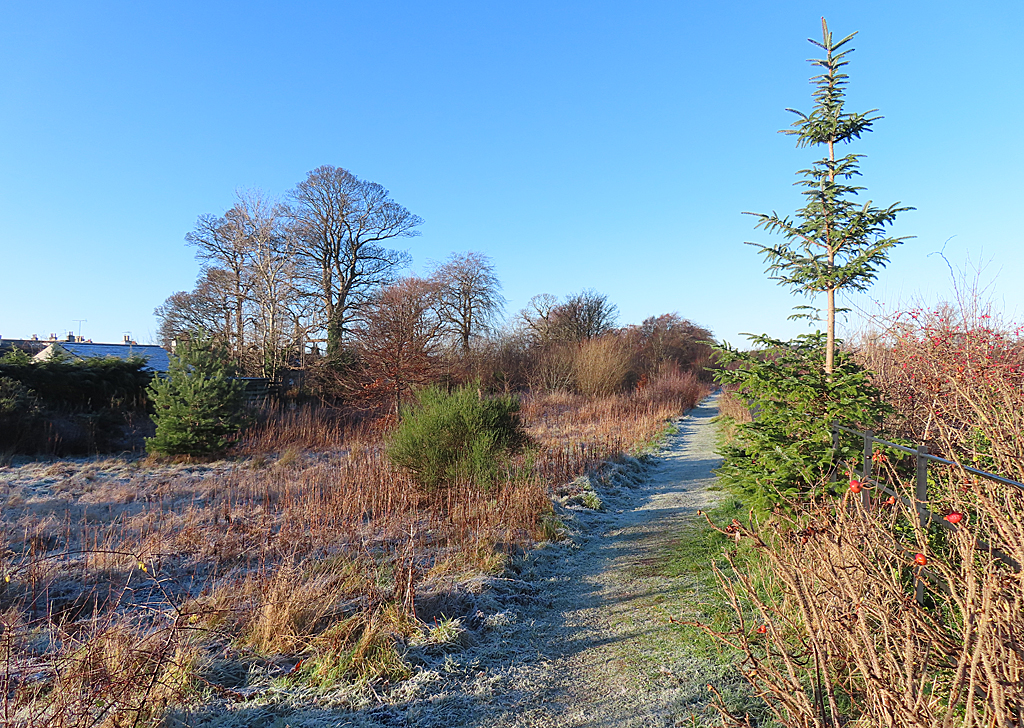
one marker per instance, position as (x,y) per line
(925,516)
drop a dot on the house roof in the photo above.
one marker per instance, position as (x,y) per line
(30,346)
(156,357)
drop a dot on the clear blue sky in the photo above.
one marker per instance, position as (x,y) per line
(578,144)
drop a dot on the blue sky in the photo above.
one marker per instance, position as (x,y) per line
(580,145)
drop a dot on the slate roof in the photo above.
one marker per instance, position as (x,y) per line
(156,357)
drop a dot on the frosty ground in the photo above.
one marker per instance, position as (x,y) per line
(581,632)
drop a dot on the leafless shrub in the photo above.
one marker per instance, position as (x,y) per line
(601,366)
(112,674)
(831,631)
(553,368)
(954,375)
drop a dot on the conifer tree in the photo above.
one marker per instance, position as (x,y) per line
(833,243)
(198,409)
(800,388)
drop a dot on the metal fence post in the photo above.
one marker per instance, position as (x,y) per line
(921,503)
(869,443)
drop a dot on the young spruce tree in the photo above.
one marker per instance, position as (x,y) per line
(797,389)
(834,243)
(198,409)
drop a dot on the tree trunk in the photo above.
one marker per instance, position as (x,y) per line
(830,339)
(830,321)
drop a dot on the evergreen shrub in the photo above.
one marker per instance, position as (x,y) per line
(91,384)
(198,409)
(63,406)
(786,453)
(19,414)
(458,436)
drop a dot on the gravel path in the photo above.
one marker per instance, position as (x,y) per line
(576,634)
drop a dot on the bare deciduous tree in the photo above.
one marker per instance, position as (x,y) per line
(469,295)
(221,244)
(585,315)
(277,277)
(669,338)
(270,275)
(399,340)
(209,306)
(248,294)
(340,223)
(537,319)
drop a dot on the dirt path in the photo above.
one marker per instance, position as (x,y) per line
(580,636)
(604,652)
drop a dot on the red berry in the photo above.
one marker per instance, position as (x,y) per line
(762,629)
(890,501)
(955,517)
(920,559)
(856,486)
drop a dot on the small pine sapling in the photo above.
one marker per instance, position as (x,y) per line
(198,409)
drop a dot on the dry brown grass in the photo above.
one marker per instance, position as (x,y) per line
(124,575)
(731,406)
(577,433)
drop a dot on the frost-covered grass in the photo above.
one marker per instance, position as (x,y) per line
(279,575)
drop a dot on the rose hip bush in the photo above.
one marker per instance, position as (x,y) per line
(831,632)
(954,377)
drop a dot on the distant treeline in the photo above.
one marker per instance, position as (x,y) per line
(304,289)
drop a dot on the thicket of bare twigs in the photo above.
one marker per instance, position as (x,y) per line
(954,375)
(829,628)
(128,586)
(831,632)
